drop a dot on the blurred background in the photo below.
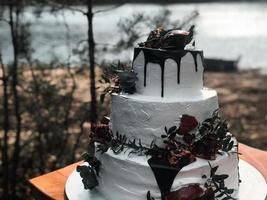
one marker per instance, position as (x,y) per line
(53,54)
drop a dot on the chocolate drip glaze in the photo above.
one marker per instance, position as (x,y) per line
(164,174)
(194,54)
(158,56)
(162,80)
(136,53)
(178,62)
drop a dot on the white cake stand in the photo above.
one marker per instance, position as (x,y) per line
(253,185)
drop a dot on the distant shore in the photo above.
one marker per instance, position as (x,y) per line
(113,2)
(169,1)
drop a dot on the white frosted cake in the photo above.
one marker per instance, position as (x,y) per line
(165,141)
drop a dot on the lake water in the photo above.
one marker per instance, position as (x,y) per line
(223,30)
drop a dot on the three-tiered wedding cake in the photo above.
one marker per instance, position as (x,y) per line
(166,141)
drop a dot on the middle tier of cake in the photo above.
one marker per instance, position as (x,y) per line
(145,118)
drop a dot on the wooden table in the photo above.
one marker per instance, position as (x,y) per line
(51,185)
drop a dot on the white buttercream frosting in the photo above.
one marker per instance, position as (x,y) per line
(191,81)
(130,177)
(144,117)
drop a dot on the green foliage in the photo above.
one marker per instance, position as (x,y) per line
(217,183)
(119,77)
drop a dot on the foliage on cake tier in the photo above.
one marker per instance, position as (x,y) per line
(204,140)
(120,78)
(90,171)
(213,189)
(182,144)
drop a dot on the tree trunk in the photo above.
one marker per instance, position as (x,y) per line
(6,130)
(91,54)
(14,34)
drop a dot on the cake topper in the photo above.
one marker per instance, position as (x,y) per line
(173,39)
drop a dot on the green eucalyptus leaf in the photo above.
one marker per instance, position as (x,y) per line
(213,170)
(172,129)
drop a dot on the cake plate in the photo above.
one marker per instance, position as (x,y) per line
(253,185)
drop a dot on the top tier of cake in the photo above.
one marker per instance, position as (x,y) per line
(168,73)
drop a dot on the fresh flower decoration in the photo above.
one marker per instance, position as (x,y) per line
(120,78)
(102,131)
(203,140)
(88,176)
(154,38)
(190,192)
(173,39)
(90,172)
(182,145)
(187,124)
(127,81)
(180,158)
(213,188)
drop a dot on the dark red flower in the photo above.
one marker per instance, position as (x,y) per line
(187,124)
(188,138)
(101,132)
(190,192)
(180,159)
(209,195)
(105,120)
(206,147)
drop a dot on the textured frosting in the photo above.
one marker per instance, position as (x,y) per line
(130,177)
(168,73)
(144,117)
(170,84)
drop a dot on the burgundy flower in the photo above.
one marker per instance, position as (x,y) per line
(173,159)
(206,147)
(180,159)
(187,124)
(153,40)
(209,195)
(188,138)
(175,39)
(190,192)
(105,120)
(101,132)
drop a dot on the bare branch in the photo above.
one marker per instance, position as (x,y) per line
(81,41)
(108,9)
(62,6)
(77,10)
(191,17)
(4,20)
(105,44)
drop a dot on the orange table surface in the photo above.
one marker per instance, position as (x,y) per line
(51,185)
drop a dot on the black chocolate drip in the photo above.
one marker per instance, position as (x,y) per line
(136,52)
(162,80)
(178,62)
(154,57)
(158,56)
(194,54)
(164,174)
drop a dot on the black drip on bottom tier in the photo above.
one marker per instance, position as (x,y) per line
(159,56)
(165,174)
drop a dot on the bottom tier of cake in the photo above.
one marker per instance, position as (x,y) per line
(130,177)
